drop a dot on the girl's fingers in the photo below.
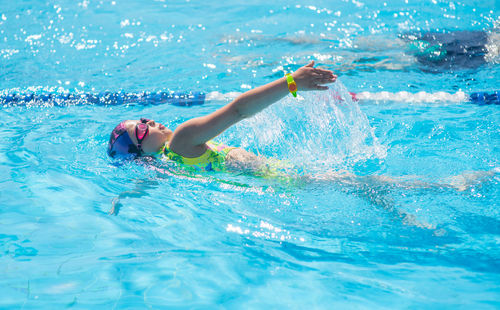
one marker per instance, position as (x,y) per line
(329,76)
(317,76)
(324,80)
(322,71)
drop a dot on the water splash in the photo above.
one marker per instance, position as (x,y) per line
(318,131)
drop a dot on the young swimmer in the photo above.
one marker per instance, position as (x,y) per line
(191,143)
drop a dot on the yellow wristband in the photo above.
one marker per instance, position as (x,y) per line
(292,86)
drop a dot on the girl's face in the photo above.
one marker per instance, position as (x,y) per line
(157,136)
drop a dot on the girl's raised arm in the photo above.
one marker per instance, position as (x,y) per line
(190,137)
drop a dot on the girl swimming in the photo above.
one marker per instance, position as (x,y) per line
(191,143)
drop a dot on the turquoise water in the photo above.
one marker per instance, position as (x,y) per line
(395,204)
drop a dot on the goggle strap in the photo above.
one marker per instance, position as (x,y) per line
(139,140)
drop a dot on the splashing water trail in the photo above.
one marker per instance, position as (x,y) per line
(318,131)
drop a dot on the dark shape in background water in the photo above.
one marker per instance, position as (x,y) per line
(458,50)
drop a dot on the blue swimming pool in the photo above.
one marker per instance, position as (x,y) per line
(392,203)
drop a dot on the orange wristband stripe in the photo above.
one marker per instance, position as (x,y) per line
(292,86)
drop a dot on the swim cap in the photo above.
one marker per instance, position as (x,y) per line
(120,142)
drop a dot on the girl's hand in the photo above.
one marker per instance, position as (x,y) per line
(310,78)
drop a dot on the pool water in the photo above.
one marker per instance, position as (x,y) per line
(389,204)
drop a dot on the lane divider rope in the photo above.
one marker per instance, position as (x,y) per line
(199,98)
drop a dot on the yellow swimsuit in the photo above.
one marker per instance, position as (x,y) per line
(214,158)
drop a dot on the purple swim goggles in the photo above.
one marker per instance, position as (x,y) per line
(120,142)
